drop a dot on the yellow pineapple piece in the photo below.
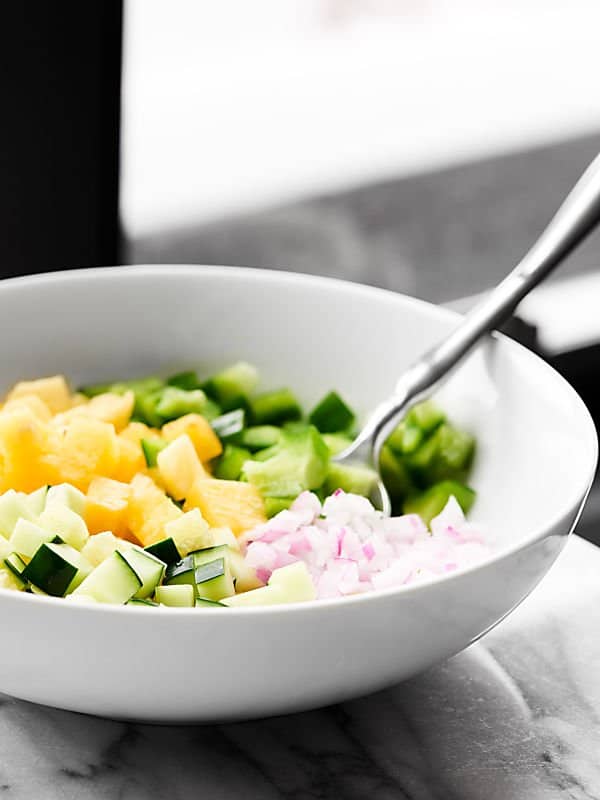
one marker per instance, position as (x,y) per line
(24,445)
(109,407)
(136,431)
(31,402)
(179,466)
(149,510)
(78,399)
(130,459)
(107,507)
(81,449)
(53,391)
(204,439)
(190,532)
(229,504)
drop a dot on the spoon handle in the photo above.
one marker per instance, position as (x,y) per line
(576,218)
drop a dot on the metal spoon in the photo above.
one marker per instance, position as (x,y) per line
(576,218)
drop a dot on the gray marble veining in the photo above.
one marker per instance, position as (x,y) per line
(514,717)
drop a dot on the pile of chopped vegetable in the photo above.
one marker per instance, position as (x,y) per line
(149,491)
(349,547)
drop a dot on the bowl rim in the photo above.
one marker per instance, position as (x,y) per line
(540,532)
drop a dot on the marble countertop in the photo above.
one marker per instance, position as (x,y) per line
(514,717)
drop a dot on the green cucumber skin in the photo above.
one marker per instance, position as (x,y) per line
(166,550)
(431,502)
(331,414)
(275,408)
(229,465)
(187,380)
(151,447)
(50,572)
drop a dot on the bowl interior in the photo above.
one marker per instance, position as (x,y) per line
(537,444)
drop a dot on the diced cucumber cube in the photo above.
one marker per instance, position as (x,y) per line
(300,461)
(229,465)
(166,550)
(5,548)
(137,386)
(66,495)
(64,522)
(426,415)
(232,387)
(37,500)
(36,590)
(202,602)
(177,596)
(113,581)
(395,475)
(182,572)
(147,567)
(290,584)
(151,447)
(331,414)
(352,478)
(56,569)
(446,454)
(17,566)
(259,437)
(139,602)
(145,408)
(431,502)
(174,403)
(14,506)
(27,537)
(214,580)
(187,380)
(275,408)
(273,505)
(336,442)
(213,574)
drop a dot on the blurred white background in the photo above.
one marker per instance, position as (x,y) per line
(234,105)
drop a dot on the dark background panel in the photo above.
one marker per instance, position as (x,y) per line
(59,142)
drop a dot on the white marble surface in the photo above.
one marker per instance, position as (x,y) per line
(514,717)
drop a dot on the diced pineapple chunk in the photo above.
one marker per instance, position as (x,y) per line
(245,576)
(83,448)
(33,403)
(107,507)
(136,431)
(24,445)
(130,459)
(190,532)
(179,466)
(53,391)
(205,440)
(229,504)
(113,408)
(149,510)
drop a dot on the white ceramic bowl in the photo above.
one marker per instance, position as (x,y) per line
(536,458)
